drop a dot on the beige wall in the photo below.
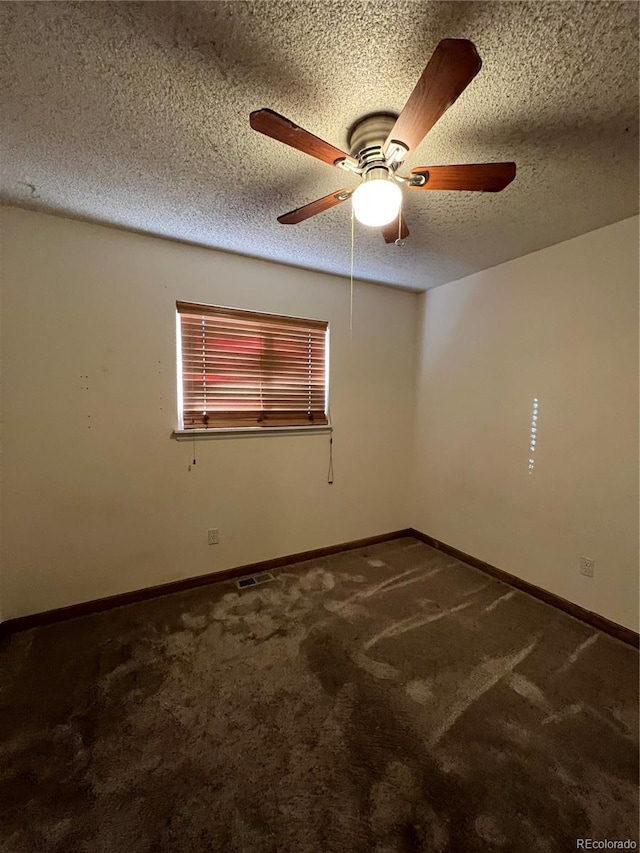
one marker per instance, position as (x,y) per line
(560,325)
(97,497)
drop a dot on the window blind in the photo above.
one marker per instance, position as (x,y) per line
(242,368)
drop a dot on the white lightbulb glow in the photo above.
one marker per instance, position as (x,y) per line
(377,202)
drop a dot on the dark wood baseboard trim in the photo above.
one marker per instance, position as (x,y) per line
(588,616)
(85,608)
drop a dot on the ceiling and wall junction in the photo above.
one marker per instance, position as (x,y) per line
(137,115)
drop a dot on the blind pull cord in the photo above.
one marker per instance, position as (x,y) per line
(330,471)
(353,240)
(194,455)
(353,237)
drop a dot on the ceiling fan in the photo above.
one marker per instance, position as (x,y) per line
(380,142)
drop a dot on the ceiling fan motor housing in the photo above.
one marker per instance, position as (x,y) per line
(370,132)
(373,163)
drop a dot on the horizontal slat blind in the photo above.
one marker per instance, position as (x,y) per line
(242,368)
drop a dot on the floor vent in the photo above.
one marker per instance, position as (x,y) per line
(254,580)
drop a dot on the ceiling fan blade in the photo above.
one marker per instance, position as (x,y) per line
(454,64)
(278,127)
(317,206)
(478,177)
(390,231)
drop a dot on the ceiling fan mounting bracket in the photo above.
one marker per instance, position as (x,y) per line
(396,152)
(347,165)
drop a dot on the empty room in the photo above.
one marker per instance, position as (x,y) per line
(319,374)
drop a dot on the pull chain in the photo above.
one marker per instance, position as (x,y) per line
(353,231)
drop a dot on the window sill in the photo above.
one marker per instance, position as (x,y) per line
(247,432)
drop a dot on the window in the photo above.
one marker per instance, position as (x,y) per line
(245,369)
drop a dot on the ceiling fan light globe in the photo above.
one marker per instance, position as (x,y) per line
(377,202)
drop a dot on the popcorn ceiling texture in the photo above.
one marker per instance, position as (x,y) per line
(137,115)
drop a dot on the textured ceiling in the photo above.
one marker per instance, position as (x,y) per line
(137,114)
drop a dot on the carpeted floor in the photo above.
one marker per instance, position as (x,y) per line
(382,700)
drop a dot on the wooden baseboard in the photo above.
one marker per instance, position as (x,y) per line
(85,608)
(588,616)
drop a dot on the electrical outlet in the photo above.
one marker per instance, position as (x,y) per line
(214,536)
(587,565)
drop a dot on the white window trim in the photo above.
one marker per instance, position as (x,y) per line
(248,432)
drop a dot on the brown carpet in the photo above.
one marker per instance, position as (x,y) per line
(388,699)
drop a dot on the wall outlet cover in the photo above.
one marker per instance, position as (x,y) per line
(214,536)
(587,566)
